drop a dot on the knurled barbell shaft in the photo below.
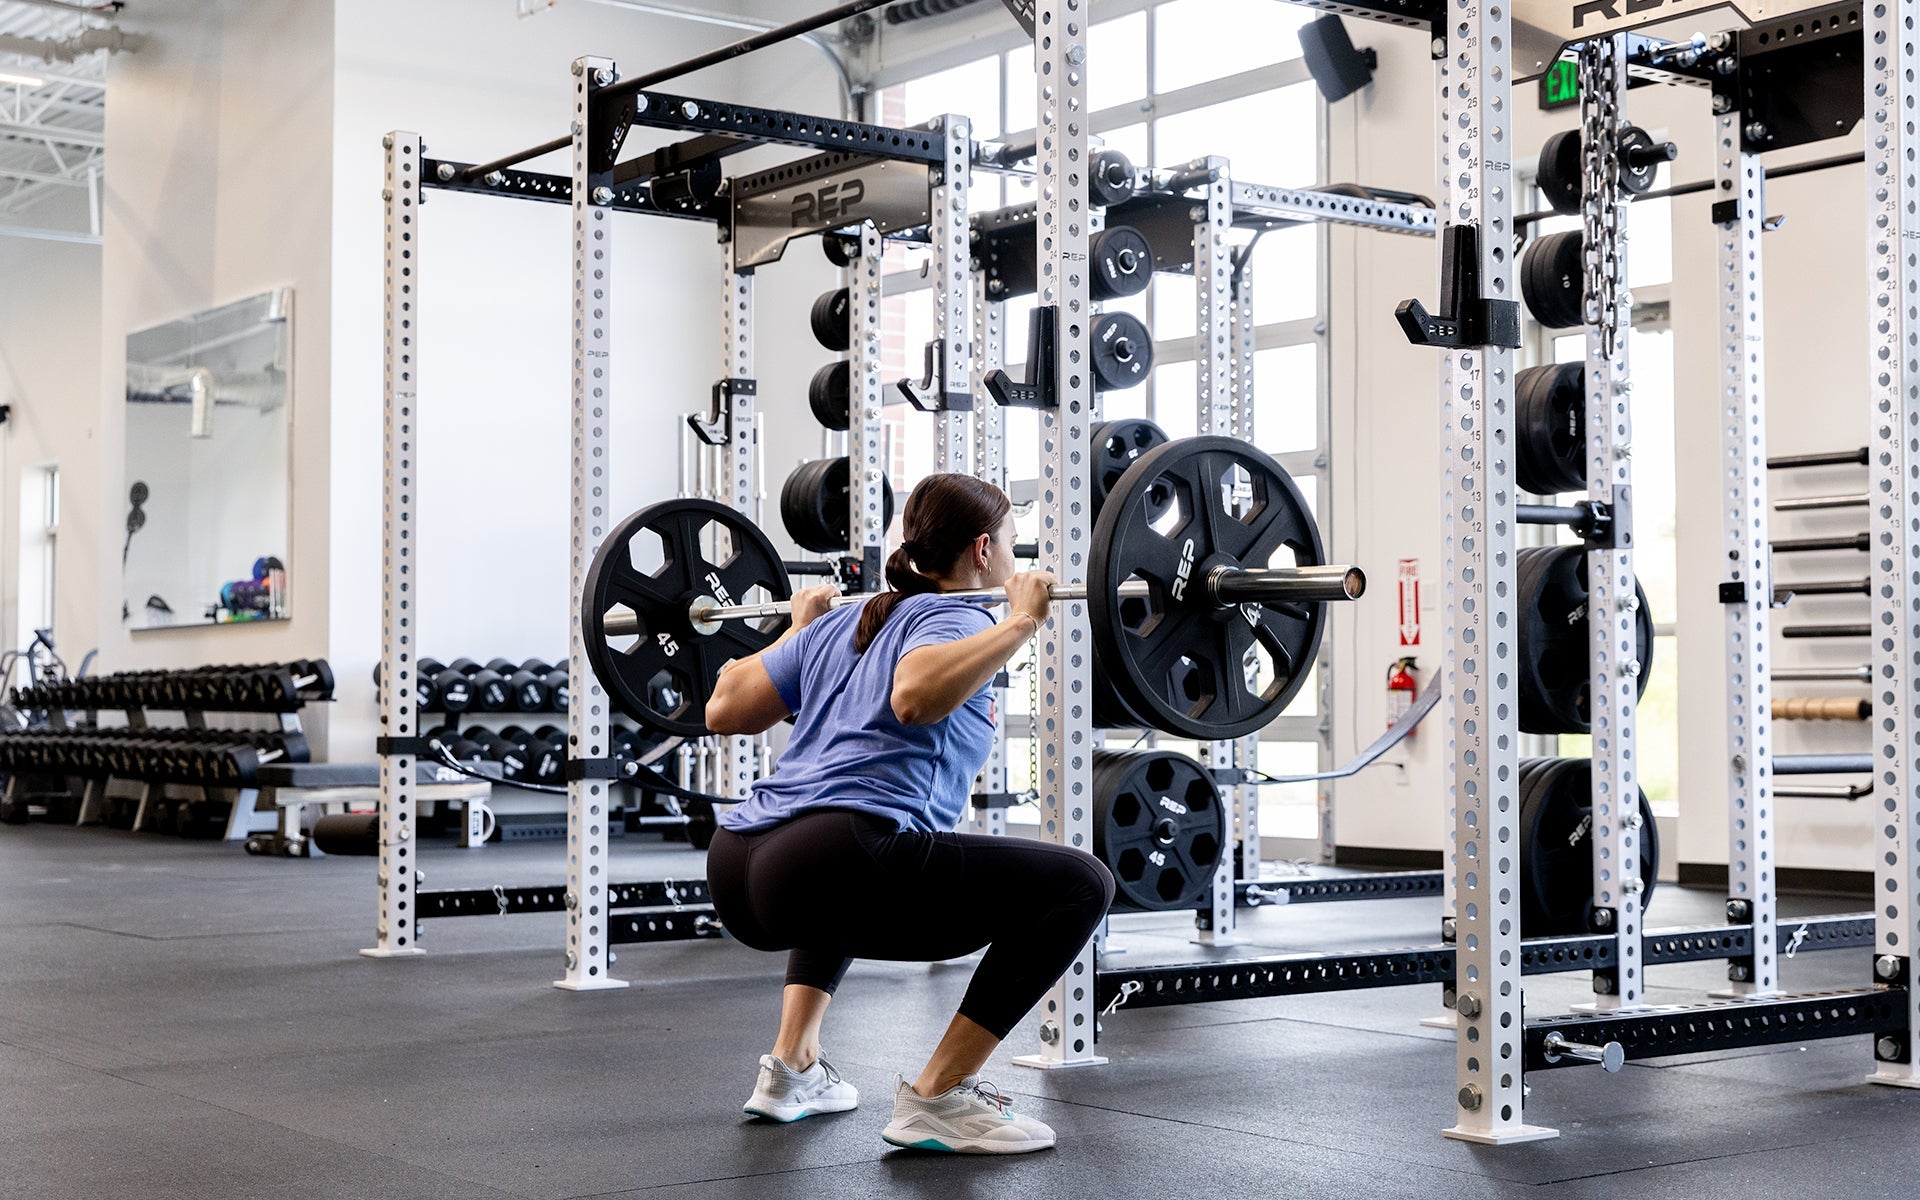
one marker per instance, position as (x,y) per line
(1224,586)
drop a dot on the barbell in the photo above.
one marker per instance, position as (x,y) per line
(1206,592)
(1224,587)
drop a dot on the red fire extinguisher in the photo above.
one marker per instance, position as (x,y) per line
(1401,687)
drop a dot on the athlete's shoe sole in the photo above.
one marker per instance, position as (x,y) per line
(958,1145)
(773,1110)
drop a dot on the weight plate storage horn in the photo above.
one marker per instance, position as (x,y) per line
(1554,680)
(1159,825)
(1556,846)
(656,564)
(1553,279)
(1550,428)
(1171,659)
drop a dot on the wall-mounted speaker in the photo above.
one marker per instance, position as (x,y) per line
(1337,68)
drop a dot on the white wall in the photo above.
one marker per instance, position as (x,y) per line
(495,281)
(49,373)
(1385,441)
(216,189)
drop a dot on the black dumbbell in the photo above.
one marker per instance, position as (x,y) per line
(490,691)
(527,682)
(558,689)
(545,762)
(452,689)
(313,677)
(512,759)
(425,695)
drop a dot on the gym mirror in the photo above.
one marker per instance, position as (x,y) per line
(209,416)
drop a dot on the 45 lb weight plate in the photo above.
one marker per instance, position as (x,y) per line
(1159,825)
(1172,658)
(656,564)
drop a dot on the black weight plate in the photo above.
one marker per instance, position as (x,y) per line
(815,506)
(830,395)
(1559,177)
(1185,665)
(1109,181)
(667,652)
(1638,166)
(1550,428)
(1122,263)
(1554,675)
(1159,824)
(1556,847)
(832,319)
(1120,351)
(1553,278)
(1116,445)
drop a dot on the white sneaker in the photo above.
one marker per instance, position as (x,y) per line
(784,1094)
(973,1118)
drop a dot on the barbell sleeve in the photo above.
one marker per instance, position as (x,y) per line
(1857,541)
(1827,631)
(1832,458)
(1824,791)
(1824,587)
(1822,764)
(1806,503)
(1225,586)
(1861,674)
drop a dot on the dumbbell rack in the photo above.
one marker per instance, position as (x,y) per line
(93,788)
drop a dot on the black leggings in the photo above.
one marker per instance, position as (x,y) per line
(833,885)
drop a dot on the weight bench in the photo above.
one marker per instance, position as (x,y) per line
(291,787)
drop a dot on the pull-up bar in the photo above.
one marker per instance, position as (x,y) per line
(711,58)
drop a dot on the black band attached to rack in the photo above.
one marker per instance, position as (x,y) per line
(418,747)
(592,768)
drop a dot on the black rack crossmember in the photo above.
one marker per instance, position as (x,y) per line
(506,901)
(1388,885)
(1305,974)
(1693,1028)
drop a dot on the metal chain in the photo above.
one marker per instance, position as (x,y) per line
(1601,225)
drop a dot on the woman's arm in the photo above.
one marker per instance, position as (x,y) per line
(744,699)
(930,683)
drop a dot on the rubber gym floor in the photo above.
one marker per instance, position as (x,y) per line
(181,1020)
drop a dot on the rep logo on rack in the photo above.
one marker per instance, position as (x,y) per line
(829,203)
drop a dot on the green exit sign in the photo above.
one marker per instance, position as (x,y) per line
(1560,86)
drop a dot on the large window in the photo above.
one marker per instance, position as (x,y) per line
(1164,88)
(39,530)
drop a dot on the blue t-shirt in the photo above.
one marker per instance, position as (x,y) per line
(848,750)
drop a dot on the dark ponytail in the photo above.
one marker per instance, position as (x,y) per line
(945,514)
